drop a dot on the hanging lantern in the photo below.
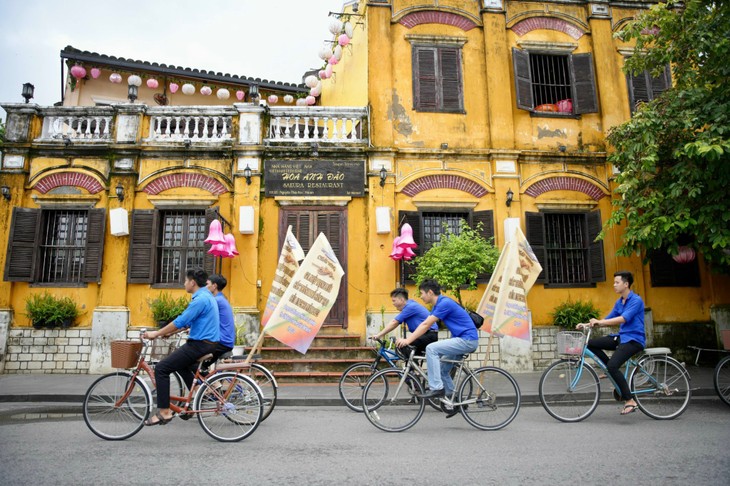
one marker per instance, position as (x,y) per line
(322,74)
(215,233)
(152,83)
(134,80)
(408,254)
(325,53)
(406,233)
(315,91)
(230,245)
(273,99)
(95,72)
(188,89)
(288,99)
(239,95)
(337,53)
(206,91)
(310,81)
(343,40)
(115,78)
(219,250)
(335,26)
(685,255)
(223,94)
(301,102)
(349,30)
(332,61)
(328,70)
(173,88)
(397,251)
(78,72)
(310,100)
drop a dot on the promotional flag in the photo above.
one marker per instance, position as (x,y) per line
(504,304)
(291,255)
(308,299)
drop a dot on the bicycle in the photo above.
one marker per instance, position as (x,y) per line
(569,389)
(353,379)
(488,398)
(721,379)
(228,404)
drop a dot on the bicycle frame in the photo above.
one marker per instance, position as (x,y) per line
(390,357)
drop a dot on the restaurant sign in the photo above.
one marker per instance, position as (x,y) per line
(314,178)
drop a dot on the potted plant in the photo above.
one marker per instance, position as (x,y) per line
(567,314)
(165,308)
(45,310)
(64,312)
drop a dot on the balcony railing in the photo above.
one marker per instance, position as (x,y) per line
(193,123)
(78,124)
(318,124)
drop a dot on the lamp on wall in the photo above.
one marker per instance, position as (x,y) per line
(6,192)
(247,174)
(132,92)
(510,195)
(120,192)
(253,93)
(383,175)
(28,90)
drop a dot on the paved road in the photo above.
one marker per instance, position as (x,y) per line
(331,445)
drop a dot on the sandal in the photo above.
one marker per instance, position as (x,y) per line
(160,420)
(629,409)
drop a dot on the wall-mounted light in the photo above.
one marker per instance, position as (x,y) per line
(510,195)
(383,175)
(5,192)
(120,192)
(28,90)
(132,92)
(253,93)
(315,149)
(247,174)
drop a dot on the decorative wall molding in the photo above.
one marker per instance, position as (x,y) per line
(565,184)
(548,23)
(186,179)
(437,17)
(68,178)
(445,181)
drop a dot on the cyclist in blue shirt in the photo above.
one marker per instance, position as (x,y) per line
(464,340)
(216,283)
(628,313)
(413,314)
(202,317)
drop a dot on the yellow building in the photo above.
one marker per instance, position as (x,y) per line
(435,112)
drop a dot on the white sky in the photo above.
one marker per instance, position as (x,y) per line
(269,39)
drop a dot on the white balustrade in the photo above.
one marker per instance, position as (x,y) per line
(75,127)
(194,127)
(318,124)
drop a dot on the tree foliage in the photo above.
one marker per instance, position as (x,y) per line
(457,259)
(674,153)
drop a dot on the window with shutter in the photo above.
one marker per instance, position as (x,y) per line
(22,248)
(142,240)
(437,79)
(180,245)
(665,272)
(644,87)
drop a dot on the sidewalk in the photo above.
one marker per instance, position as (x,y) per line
(53,394)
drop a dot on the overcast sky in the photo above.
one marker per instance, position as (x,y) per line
(269,39)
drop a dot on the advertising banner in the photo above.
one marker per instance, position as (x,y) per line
(291,255)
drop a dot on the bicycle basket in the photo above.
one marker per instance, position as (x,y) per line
(570,342)
(125,353)
(162,348)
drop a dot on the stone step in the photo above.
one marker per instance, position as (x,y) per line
(320,341)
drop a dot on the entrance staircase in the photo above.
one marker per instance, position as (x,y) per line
(327,357)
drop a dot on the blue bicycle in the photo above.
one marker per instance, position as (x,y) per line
(570,388)
(355,377)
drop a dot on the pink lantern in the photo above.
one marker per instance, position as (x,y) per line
(152,83)
(206,91)
(408,254)
(565,106)
(273,99)
(215,234)
(95,72)
(332,60)
(685,255)
(78,72)
(115,78)
(343,40)
(239,95)
(406,234)
(174,87)
(311,100)
(219,250)
(397,251)
(322,74)
(230,245)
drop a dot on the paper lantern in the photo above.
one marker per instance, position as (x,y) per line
(328,70)
(230,245)
(223,94)
(337,52)
(206,91)
(332,61)
(95,72)
(397,251)
(152,83)
(78,72)
(349,30)
(115,78)
(408,254)
(335,26)
(173,88)
(273,99)
(310,100)
(188,89)
(134,80)
(288,98)
(310,81)
(239,95)
(325,53)
(301,102)
(406,233)
(343,40)
(219,250)
(685,255)
(316,91)
(215,233)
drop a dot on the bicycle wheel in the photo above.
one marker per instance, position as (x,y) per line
(660,385)
(392,405)
(229,406)
(268,386)
(113,409)
(489,398)
(722,379)
(352,383)
(569,391)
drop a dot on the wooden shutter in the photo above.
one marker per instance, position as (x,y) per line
(300,223)
(334,226)
(487,220)
(536,238)
(93,259)
(424,78)
(451,87)
(523,79)
(596,264)
(208,259)
(142,245)
(638,89)
(584,84)
(661,83)
(414,219)
(22,245)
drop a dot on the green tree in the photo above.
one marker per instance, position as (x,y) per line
(457,259)
(674,153)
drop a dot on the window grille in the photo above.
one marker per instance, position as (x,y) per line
(550,79)
(433,226)
(567,247)
(63,246)
(180,245)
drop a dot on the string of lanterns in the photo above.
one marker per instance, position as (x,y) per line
(343,32)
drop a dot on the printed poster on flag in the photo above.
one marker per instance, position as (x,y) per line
(291,254)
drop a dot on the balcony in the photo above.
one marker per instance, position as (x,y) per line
(321,124)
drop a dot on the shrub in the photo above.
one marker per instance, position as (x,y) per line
(165,308)
(567,314)
(46,310)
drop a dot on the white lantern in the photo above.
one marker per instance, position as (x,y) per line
(328,70)
(134,80)
(223,94)
(349,29)
(316,91)
(311,81)
(338,52)
(288,98)
(310,100)
(325,53)
(335,26)
(188,89)
(301,102)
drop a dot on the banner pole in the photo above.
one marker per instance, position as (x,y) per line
(256,345)
(489,347)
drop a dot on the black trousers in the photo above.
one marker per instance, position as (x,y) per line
(423,341)
(621,355)
(180,360)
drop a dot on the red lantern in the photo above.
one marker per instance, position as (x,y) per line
(78,72)
(685,255)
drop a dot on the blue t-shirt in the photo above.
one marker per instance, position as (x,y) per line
(228,328)
(633,312)
(455,318)
(413,314)
(201,316)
